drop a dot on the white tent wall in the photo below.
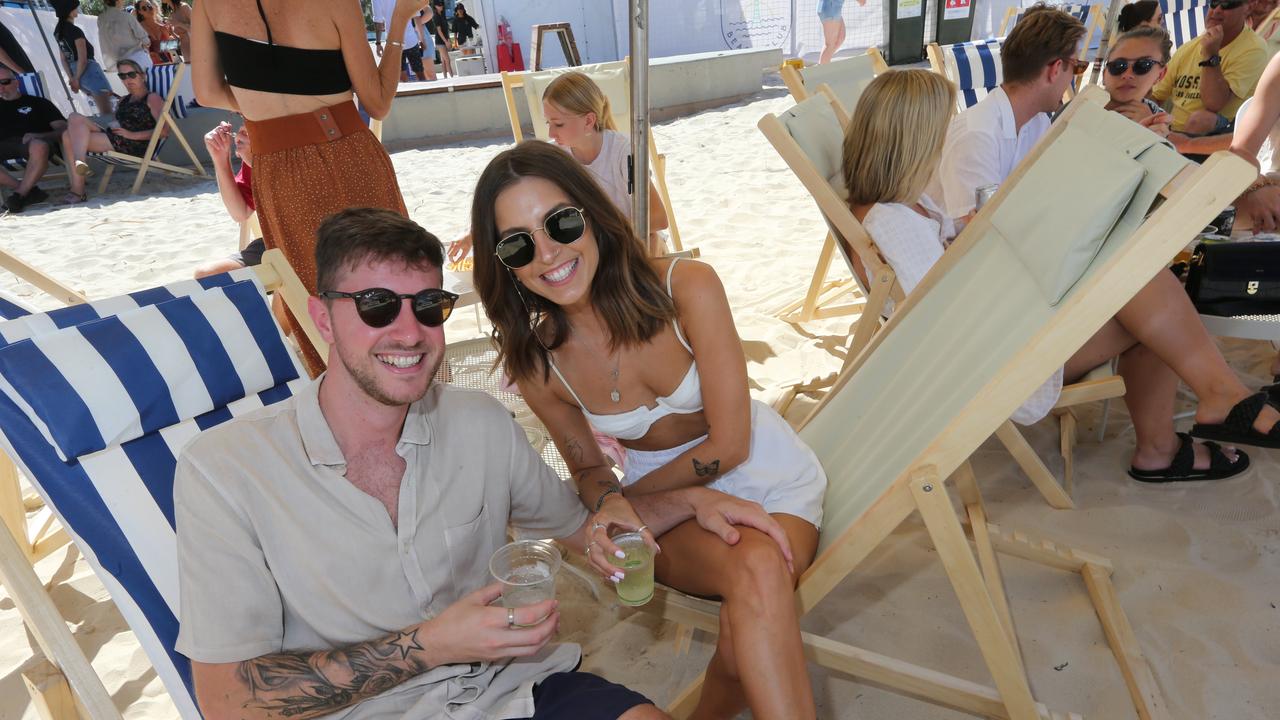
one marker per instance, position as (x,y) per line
(23,26)
(988,14)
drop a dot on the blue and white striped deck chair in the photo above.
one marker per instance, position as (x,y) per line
(11,308)
(164,80)
(1093,17)
(1172,6)
(1185,25)
(96,403)
(974,67)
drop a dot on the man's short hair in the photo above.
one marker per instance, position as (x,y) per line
(360,235)
(1043,35)
(11,70)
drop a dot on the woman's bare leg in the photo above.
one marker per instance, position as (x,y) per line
(759,655)
(81,136)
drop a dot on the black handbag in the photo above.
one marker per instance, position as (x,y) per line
(1240,278)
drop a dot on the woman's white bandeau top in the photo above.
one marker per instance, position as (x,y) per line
(635,424)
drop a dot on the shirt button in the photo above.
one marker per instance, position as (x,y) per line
(324,117)
(330,132)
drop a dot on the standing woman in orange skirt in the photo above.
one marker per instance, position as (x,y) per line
(292,69)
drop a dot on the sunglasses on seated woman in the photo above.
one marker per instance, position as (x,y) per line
(564,226)
(129,75)
(1141,66)
(379,307)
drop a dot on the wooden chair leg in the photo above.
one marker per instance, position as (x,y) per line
(997,647)
(819,279)
(683,639)
(13,511)
(687,701)
(50,694)
(1033,466)
(1067,444)
(106,178)
(1124,644)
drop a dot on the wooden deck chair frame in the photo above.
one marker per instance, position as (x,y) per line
(147,161)
(820,298)
(879,284)
(511,81)
(1191,198)
(66,686)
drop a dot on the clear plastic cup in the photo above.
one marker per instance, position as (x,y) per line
(527,570)
(637,587)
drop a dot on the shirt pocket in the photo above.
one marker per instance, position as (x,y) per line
(470,545)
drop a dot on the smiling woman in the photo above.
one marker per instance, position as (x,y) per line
(599,336)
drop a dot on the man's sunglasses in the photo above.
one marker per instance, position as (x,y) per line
(379,307)
(7,81)
(564,226)
(1141,66)
(129,75)
(1226,4)
(1075,65)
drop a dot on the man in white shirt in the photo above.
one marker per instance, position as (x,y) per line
(121,37)
(988,140)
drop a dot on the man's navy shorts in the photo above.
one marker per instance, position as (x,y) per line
(582,696)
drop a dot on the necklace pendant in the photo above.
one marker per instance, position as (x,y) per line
(615,396)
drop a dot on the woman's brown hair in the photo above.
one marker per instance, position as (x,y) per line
(626,290)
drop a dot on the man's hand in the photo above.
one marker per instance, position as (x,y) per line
(1157,123)
(1262,207)
(218,142)
(28,137)
(1210,41)
(471,630)
(75,85)
(719,513)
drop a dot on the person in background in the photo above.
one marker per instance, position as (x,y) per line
(464,26)
(236,191)
(1138,14)
(426,42)
(148,13)
(136,116)
(1211,75)
(440,26)
(1135,63)
(831,15)
(179,17)
(411,57)
(1157,335)
(83,72)
(121,37)
(293,69)
(29,129)
(1259,11)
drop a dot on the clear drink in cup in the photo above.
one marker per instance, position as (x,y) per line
(527,570)
(637,587)
(983,194)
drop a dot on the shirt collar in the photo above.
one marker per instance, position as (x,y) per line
(322,447)
(1008,124)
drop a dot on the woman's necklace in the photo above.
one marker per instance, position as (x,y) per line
(614,395)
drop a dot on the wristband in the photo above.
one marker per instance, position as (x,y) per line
(603,495)
(395,42)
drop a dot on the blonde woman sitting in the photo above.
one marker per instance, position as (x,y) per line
(580,120)
(1157,335)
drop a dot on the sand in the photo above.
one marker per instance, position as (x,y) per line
(1196,566)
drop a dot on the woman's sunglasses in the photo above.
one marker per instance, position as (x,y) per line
(1141,66)
(129,75)
(379,307)
(564,226)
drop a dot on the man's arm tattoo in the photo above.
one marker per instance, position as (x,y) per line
(308,684)
(710,469)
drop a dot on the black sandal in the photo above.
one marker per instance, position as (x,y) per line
(1273,391)
(1183,469)
(1237,428)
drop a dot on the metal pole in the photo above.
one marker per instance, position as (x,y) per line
(640,118)
(57,65)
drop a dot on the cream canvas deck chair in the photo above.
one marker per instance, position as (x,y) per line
(847,79)
(190,355)
(806,138)
(903,418)
(163,80)
(614,79)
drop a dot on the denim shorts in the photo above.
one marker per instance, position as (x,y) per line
(830,9)
(93,81)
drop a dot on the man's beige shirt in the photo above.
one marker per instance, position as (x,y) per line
(277,551)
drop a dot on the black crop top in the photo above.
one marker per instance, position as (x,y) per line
(267,67)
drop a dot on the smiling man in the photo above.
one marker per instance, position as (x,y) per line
(333,548)
(1212,75)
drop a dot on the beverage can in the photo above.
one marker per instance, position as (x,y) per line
(983,194)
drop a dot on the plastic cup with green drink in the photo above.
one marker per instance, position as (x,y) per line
(636,588)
